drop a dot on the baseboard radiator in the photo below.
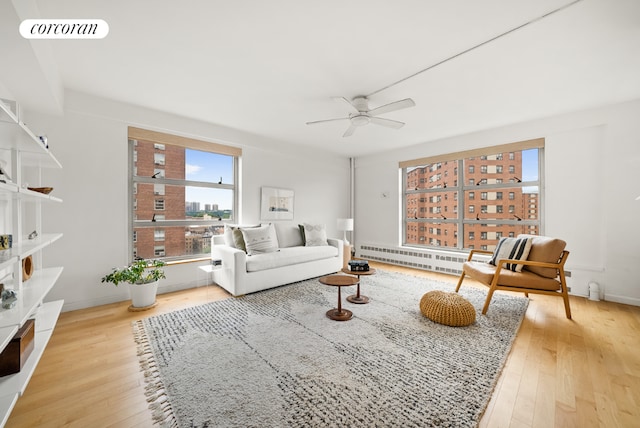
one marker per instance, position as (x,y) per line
(425,259)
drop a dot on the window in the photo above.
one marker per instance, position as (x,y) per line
(519,181)
(182,192)
(158,159)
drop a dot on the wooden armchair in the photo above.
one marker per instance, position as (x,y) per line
(543,271)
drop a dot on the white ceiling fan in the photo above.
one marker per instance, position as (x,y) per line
(363,116)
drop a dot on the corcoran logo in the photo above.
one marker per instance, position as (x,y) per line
(64,29)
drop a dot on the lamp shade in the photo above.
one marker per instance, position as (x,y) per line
(345,224)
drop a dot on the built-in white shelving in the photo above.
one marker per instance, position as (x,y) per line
(26,247)
(6,405)
(24,150)
(45,320)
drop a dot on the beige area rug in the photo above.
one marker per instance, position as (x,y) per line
(273,358)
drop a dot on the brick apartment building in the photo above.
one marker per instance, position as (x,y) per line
(436,213)
(159,201)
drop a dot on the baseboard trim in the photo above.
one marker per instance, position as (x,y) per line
(622,299)
(84,304)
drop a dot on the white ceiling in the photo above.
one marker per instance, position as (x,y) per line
(267,67)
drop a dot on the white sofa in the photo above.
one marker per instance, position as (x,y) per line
(243,273)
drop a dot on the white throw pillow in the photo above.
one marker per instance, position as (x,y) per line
(260,240)
(234,240)
(315,235)
(511,249)
(228,234)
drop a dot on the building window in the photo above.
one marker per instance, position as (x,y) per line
(183,191)
(520,181)
(158,159)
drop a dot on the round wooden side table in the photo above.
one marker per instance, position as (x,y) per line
(358,298)
(339,281)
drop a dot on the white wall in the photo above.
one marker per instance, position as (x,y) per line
(592,177)
(90,141)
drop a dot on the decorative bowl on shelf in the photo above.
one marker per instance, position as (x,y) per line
(45,190)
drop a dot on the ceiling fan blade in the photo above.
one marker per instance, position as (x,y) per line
(396,105)
(343,99)
(387,122)
(327,120)
(349,132)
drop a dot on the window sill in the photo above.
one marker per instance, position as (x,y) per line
(186,261)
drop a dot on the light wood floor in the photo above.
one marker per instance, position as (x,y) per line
(578,373)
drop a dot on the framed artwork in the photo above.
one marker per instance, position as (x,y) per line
(276,204)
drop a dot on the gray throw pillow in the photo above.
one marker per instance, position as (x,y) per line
(315,235)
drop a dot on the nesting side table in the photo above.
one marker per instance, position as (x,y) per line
(358,298)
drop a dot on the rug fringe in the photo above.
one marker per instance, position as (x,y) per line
(161,410)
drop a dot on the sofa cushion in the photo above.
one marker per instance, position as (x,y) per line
(238,239)
(484,273)
(289,256)
(260,239)
(547,250)
(511,249)
(289,235)
(230,239)
(315,235)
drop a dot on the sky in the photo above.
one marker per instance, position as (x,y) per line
(530,169)
(530,165)
(211,167)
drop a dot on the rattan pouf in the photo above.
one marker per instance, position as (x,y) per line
(447,308)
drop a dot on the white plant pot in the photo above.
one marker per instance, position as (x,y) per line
(143,295)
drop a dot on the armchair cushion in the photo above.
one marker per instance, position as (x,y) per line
(512,249)
(544,249)
(484,273)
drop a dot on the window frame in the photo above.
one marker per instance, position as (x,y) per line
(466,206)
(160,139)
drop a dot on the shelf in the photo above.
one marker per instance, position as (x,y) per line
(7,403)
(12,191)
(7,257)
(30,296)
(19,204)
(32,194)
(8,188)
(6,334)
(12,386)
(16,135)
(26,248)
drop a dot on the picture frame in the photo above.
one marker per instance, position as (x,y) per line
(276,204)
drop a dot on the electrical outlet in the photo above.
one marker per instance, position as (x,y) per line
(568,289)
(567,273)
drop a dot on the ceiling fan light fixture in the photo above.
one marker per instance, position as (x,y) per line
(359,119)
(363,115)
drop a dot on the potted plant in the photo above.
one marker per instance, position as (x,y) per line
(143,277)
